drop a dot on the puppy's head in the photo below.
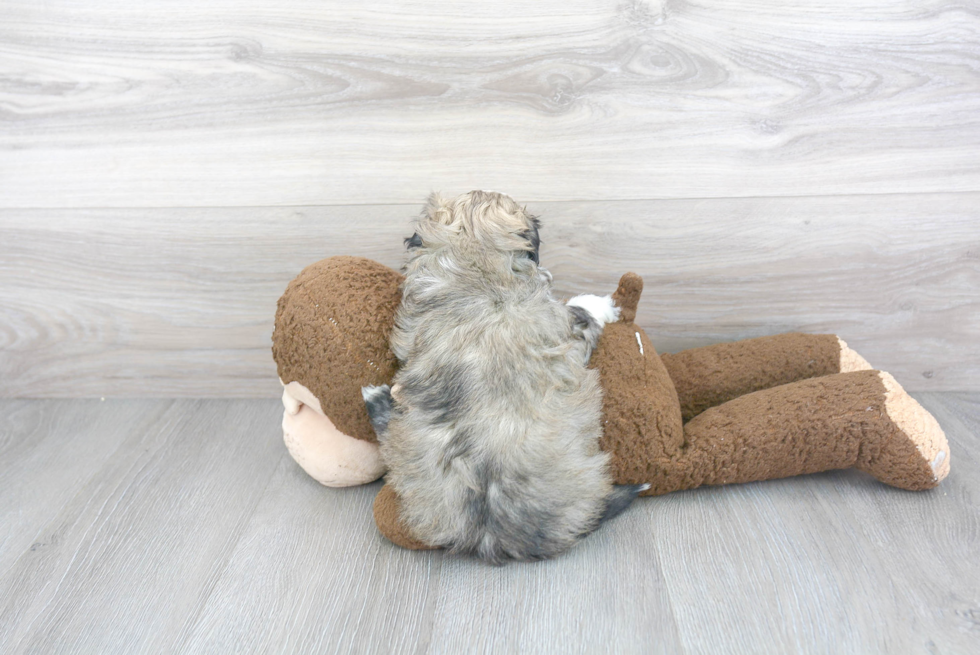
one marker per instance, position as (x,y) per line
(483,225)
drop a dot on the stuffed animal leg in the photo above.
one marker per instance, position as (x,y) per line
(709,376)
(862,419)
(774,430)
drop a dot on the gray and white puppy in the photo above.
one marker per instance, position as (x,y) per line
(491,428)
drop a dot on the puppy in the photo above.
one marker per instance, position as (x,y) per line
(491,427)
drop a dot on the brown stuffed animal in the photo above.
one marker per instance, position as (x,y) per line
(752,410)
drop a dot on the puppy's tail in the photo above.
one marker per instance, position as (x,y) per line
(378,402)
(620,499)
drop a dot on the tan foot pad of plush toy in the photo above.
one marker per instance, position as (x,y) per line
(752,410)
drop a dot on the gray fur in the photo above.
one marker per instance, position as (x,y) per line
(379,404)
(620,499)
(585,327)
(493,439)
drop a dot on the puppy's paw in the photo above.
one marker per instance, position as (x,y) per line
(601,308)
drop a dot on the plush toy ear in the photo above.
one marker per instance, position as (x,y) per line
(627,296)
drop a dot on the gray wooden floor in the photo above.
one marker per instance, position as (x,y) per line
(132,526)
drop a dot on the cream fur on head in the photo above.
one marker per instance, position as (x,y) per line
(488,218)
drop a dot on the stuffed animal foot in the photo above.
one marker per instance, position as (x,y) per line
(894,461)
(861,419)
(387,516)
(331,457)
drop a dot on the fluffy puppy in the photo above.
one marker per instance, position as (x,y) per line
(491,427)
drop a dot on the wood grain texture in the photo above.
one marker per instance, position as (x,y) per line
(49,451)
(199,536)
(127,561)
(241,103)
(342,588)
(180,302)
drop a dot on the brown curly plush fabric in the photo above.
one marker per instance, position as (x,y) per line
(831,422)
(641,415)
(709,376)
(331,335)
(387,516)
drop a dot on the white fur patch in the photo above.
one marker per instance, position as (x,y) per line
(602,308)
(371,392)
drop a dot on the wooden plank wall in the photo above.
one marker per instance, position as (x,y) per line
(166,168)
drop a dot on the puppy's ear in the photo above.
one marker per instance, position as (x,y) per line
(413,242)
(436,209)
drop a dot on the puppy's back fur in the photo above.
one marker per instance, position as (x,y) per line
(492,433)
